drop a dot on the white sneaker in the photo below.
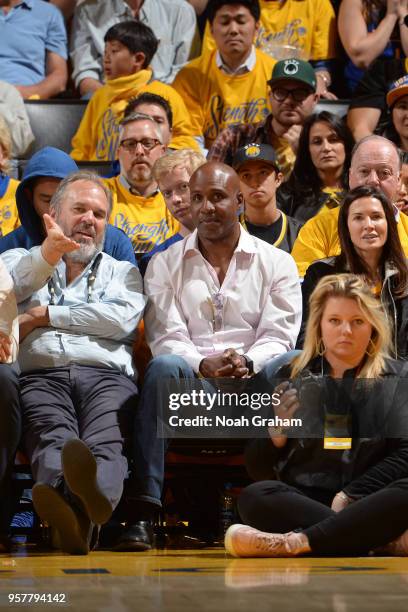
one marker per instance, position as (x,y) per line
(244,541)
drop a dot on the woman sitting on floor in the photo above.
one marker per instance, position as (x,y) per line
(341,491)
(370,247)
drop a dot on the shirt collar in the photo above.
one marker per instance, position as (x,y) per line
(133,190)
(27,3)
(246,66)
(246,243)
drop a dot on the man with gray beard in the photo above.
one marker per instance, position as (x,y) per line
(79,309)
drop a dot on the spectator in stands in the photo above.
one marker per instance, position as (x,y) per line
(367,30)
(13,110)
(260,176)
(375,161)
(368,107)
(228,85)
(172,173)
(33,48)
(138,206)
(79,309)
(397,101)
(8,210)
(293,98)
(129,48)
(370,246)
(172,21)
(156,107)
(344,495)
(10,416)
(320,174)
(218,316)
(41,177)
(291,28)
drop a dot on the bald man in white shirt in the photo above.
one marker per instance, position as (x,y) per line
(221,303)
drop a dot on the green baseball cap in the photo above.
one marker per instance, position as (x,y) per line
(295,70)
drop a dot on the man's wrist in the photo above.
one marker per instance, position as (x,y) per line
(325,78)
(249,364)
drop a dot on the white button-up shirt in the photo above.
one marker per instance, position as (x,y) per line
(95,328)
(256,310)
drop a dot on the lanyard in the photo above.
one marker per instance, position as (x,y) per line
(90,282)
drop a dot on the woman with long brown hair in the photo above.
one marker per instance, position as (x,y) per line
(370,247)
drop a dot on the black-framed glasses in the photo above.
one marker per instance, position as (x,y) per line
(130,144)
(298,95)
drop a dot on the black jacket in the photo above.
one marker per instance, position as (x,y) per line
(396,308)
(377,410)
(303,204)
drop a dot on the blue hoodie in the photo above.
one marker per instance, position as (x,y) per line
(51,162)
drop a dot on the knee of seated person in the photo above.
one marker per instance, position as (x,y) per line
(274,364)
(252,494)
(167,365)
(8,381)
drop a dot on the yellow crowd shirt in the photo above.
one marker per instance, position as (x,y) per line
(307,28)
(319,238)
(146,221)
(9,219)
(216,100)
(97,137)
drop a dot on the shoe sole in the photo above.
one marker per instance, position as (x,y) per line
(79,467)
(228,540)
(54,510)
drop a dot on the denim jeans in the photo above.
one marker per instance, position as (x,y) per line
(149,449)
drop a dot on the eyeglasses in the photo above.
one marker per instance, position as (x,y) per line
(130,144)
(298,95)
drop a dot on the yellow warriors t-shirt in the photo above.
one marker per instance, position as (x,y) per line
(216,100)
(147,221)
(293,28)
(9,219)
(97,137)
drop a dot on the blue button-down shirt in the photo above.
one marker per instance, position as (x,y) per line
(99,333)
(27,32)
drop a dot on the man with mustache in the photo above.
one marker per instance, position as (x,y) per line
(221,303)
(292,98)
(139,208)
(79,309)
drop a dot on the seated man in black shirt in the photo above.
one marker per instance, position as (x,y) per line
(260,176)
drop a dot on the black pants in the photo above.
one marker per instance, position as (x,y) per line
(365,524)
(94,404)
(10,433)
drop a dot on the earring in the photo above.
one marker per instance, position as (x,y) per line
(373,350)
(320,348)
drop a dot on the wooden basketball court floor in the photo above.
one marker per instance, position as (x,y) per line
(200,581)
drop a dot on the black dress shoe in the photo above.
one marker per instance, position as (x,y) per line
(138,537)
